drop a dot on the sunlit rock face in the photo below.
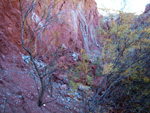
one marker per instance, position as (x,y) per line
(80,19)
(75,29)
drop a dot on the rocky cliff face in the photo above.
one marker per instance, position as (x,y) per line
(75,29)
(79,18)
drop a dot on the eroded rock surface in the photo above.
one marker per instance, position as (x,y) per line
(75,30)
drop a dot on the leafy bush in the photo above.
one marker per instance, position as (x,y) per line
(126,57)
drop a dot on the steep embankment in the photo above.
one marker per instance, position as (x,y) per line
(17,89)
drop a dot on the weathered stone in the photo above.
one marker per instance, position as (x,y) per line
(63,87)
(67,30)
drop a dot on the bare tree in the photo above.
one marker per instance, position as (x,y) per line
(125,89)
(33,40)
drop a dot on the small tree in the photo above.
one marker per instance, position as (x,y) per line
(38,45)
(126,59)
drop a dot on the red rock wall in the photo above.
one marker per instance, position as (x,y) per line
(81,19)
(10,44)
(14,83)
(73,14)
(10,20)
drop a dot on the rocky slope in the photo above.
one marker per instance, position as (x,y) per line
(75,29)
(17,89)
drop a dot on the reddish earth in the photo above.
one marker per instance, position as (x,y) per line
(17,89)
(18,92)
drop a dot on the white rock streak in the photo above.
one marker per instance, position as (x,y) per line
(36,19)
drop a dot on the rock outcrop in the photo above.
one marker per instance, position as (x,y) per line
(80,19)
(143,19)
(76,30)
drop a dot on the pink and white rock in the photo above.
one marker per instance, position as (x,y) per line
(64,87)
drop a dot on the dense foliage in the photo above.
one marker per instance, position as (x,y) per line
(123,65)
(126,57)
